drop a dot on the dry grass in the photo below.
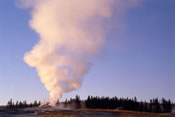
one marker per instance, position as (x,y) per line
(114,111)
(103,113)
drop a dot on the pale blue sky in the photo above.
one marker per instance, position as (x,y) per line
(138,60)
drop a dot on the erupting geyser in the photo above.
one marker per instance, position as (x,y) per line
(70,32)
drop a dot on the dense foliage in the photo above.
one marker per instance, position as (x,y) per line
(24,104)
(155,105)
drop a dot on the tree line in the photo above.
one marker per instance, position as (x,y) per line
(154,105)
(22,104)
(76,103)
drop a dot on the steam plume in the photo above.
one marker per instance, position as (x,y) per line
(70,32)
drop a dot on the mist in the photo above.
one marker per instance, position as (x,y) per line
(71,32)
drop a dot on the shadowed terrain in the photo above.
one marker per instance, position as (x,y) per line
(51,112)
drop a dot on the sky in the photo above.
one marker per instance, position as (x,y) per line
(138,58)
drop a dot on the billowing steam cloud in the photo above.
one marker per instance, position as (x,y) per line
(70,32)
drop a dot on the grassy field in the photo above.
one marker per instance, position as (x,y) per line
(103,113)
(37,112)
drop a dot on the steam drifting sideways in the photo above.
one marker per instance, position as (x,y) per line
(70,32)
